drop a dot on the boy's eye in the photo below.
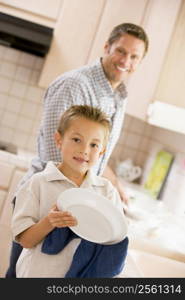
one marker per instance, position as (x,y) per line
(76,140)
(94,145)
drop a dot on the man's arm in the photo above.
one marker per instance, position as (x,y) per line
(109,174)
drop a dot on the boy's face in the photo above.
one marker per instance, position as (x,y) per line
(81,145)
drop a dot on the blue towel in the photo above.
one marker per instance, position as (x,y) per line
(90,260)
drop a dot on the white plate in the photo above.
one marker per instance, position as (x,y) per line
(99,221)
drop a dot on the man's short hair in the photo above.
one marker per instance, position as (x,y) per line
(131,29)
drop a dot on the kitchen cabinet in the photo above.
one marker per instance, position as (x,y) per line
(73,38)
(159,21)
(88,32)
(44,12)
(170,88)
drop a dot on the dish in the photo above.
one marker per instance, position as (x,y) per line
(99,221)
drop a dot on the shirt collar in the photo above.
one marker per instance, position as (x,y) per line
(92,179)
(98,74)
(52,173)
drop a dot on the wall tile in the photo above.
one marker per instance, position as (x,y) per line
(148,129)
(144,144)
(127,122)
(9,119)
(140,158)
(27,60)
(133,140)
(24,124)
(18,89)
(5,84)
(128,153)
(137,126)
(3,101)
(32,143)
(8,69)
(123,137)
(20,139)
(23,74)
(34,94)
(36,127)
(14,104)
(39,63)
(34,78)
(12,55)
(2,51)
(6,134)
(29,109)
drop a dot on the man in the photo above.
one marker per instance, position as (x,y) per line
(102,84)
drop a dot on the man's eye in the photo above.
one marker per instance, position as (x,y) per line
(134,57)
(121,51)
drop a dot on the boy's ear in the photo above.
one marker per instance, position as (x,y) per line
(58,139)
(102,152)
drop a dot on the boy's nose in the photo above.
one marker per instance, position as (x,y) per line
(84,150)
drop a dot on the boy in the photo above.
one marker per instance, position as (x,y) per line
(82,136)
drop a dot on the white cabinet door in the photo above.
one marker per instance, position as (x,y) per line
(46,8)
(73,37)
(170,87)
(159,21)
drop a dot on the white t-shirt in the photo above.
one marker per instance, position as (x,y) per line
(33,202)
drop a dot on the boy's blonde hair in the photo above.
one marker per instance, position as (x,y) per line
(84,111)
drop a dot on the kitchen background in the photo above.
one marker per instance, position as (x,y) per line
(25,76)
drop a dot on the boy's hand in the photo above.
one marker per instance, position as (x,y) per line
(59,218)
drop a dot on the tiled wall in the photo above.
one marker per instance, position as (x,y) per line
(141,142)
(20,98)
(174,188)
(134,142)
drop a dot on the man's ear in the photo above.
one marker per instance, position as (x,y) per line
(106,48)
(58,139)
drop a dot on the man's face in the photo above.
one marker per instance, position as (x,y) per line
(121,58)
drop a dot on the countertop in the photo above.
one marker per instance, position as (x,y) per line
(152,227)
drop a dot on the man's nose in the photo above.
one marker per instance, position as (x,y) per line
(126,61)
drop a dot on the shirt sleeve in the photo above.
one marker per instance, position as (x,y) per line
(26,211)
